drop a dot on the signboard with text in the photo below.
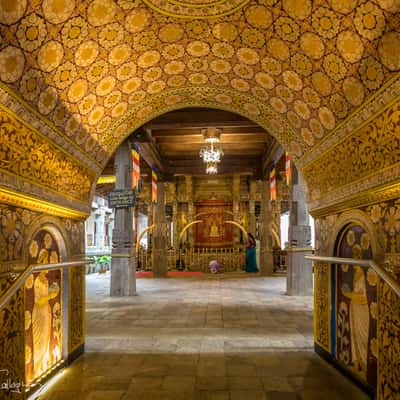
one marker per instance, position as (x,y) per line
(122,198)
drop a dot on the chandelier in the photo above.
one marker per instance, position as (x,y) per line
(212,152)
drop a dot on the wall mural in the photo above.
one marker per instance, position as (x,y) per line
(43,324)
(213,232)
(356,308)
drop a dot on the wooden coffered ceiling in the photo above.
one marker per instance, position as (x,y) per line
(172,143)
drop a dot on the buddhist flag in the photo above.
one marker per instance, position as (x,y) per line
(272,182)
(135,169)
(288,169)
(153,186)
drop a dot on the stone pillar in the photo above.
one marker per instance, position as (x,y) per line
(123,265)
(299,273)
(189,197)
(150,220)
(100,214)
(159,253)
(252,208)
(175,227)
(236,206)
(266,251)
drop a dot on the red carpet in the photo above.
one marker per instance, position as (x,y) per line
(149,274)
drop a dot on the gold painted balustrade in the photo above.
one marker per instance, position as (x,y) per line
(197,259)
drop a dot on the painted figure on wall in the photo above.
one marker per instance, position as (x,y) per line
(213,232)
(356,314)
(359,320)
(41,323)
(43,332)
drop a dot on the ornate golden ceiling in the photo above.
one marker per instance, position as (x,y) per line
(95,70)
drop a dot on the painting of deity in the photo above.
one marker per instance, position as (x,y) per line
(213,231)
(43,330)
(356,307)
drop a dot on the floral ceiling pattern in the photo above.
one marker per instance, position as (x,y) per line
(92,67)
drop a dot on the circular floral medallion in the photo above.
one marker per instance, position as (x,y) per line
(369,20)
(316,128)
(126,71)
(100,12)
(220,66)
(300,9)
(388,50)
(47,101)
(137,20)
(371,72)
(259,17)
(171,33)
(265,80)
(11,11)
(86,54)
(307,136)
(57,11)
(119,110)
(31,32)
(350,46)
(292,80)
(12,64)
(119,54)
(50,56)
(278,105)
(312,45)
(196,9)
(174,67)
(74,31)
(77,90)
(225,31)
(326,117)
(223,98)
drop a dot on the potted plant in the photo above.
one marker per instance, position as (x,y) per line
(102,263)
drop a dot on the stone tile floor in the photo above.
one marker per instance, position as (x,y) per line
(224,337)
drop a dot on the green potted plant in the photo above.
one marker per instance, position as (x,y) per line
(102,263)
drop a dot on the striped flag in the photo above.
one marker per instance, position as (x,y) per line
(272,182)
(135,169)
(288,169)
(153,186)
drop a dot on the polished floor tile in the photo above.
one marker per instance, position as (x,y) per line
(224,337)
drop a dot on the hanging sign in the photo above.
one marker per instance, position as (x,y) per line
(122,198)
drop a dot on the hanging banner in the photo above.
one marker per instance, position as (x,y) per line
(288,168)
(272,182)
(153,186)
(135,169)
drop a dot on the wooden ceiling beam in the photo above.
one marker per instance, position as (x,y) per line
(240,138)
(196,131)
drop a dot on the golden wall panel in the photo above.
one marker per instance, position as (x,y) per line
(322,308)
(371,150)
(12,342)
(389,344)
(76,334)
(25,153)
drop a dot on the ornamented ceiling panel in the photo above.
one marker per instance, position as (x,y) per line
(97,69)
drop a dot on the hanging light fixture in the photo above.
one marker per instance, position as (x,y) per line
(212,152)
(212,168)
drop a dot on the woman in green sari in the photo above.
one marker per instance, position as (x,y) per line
(251,263)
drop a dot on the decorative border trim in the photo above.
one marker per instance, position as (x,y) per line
(80,155)
(384,193)
(14,198)
(388,94)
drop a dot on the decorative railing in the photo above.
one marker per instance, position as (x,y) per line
(197,259)
(41,317)
(280,260)
(357,325)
